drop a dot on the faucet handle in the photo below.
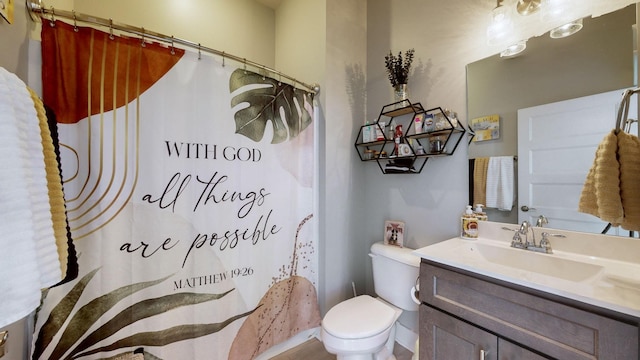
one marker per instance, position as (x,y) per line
(517,242)
(542,220)
(546,244)
(546,235)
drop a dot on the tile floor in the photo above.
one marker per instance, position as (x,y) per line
(314,350)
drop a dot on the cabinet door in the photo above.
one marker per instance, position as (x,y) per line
(511,351)
(443,337)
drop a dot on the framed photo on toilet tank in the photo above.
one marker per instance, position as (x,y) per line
(393,232)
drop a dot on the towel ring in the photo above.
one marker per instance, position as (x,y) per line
(624,108)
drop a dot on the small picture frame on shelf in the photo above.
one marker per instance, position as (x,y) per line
(394,233)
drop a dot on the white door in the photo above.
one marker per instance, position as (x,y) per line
(556,148)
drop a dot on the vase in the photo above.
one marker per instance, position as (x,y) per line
(400,94)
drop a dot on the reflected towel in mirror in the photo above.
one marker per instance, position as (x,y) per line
(500,183)
(480,181)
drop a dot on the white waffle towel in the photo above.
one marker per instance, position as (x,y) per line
(29,260)
(500,187)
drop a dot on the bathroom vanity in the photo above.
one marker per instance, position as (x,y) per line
(483,299)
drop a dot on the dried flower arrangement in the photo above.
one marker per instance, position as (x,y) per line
(398,67)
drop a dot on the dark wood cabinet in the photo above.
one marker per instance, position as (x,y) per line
(450,338)
(511,351)
(465,316)
(445,337)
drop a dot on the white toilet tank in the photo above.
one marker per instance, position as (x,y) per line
(395,271)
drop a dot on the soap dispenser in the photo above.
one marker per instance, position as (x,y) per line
(480,214)
(469,224)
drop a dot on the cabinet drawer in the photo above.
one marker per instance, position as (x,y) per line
(549,327)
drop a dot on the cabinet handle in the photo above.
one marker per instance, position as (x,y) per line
(483,354)
(4,335)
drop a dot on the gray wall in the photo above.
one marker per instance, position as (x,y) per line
(14,42)
(344,248)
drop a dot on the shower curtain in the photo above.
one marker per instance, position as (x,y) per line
(189,192)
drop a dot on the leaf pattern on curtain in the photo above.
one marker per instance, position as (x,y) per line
(287,308)
(120,67)
(288,108)
(92,313)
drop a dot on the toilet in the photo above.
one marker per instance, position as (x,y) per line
(363,327)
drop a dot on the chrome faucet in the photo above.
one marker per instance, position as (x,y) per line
(524,230)
(521,238)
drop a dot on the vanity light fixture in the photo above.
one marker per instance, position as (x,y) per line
(501,25)
(528,7)
(566,29)
(556,8)
(514,49)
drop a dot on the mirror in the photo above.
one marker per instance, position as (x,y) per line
(597,59)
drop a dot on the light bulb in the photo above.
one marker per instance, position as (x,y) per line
(514,49)
(566,29)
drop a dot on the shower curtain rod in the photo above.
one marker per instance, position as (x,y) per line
(37,7)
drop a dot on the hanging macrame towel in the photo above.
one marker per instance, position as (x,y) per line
(610,191)
(601,192)
(629,158)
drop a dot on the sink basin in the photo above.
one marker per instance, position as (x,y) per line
(611,284)
(597,269)
(497,257)
(544,264)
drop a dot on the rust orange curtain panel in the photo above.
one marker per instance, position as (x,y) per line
(78,62)
(189,191)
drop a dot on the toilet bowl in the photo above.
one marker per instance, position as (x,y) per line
(361,328)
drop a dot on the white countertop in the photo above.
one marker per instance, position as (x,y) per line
(595,269)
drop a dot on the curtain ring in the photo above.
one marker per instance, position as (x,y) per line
(199,52)
(279,79)
(245,66)
(75,21)
(142,43)
(52,21)
(173,52)
(111,29)
(223,54)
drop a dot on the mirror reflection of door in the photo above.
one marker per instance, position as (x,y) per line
(556,148)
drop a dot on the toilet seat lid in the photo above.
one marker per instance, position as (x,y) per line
(359,317)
